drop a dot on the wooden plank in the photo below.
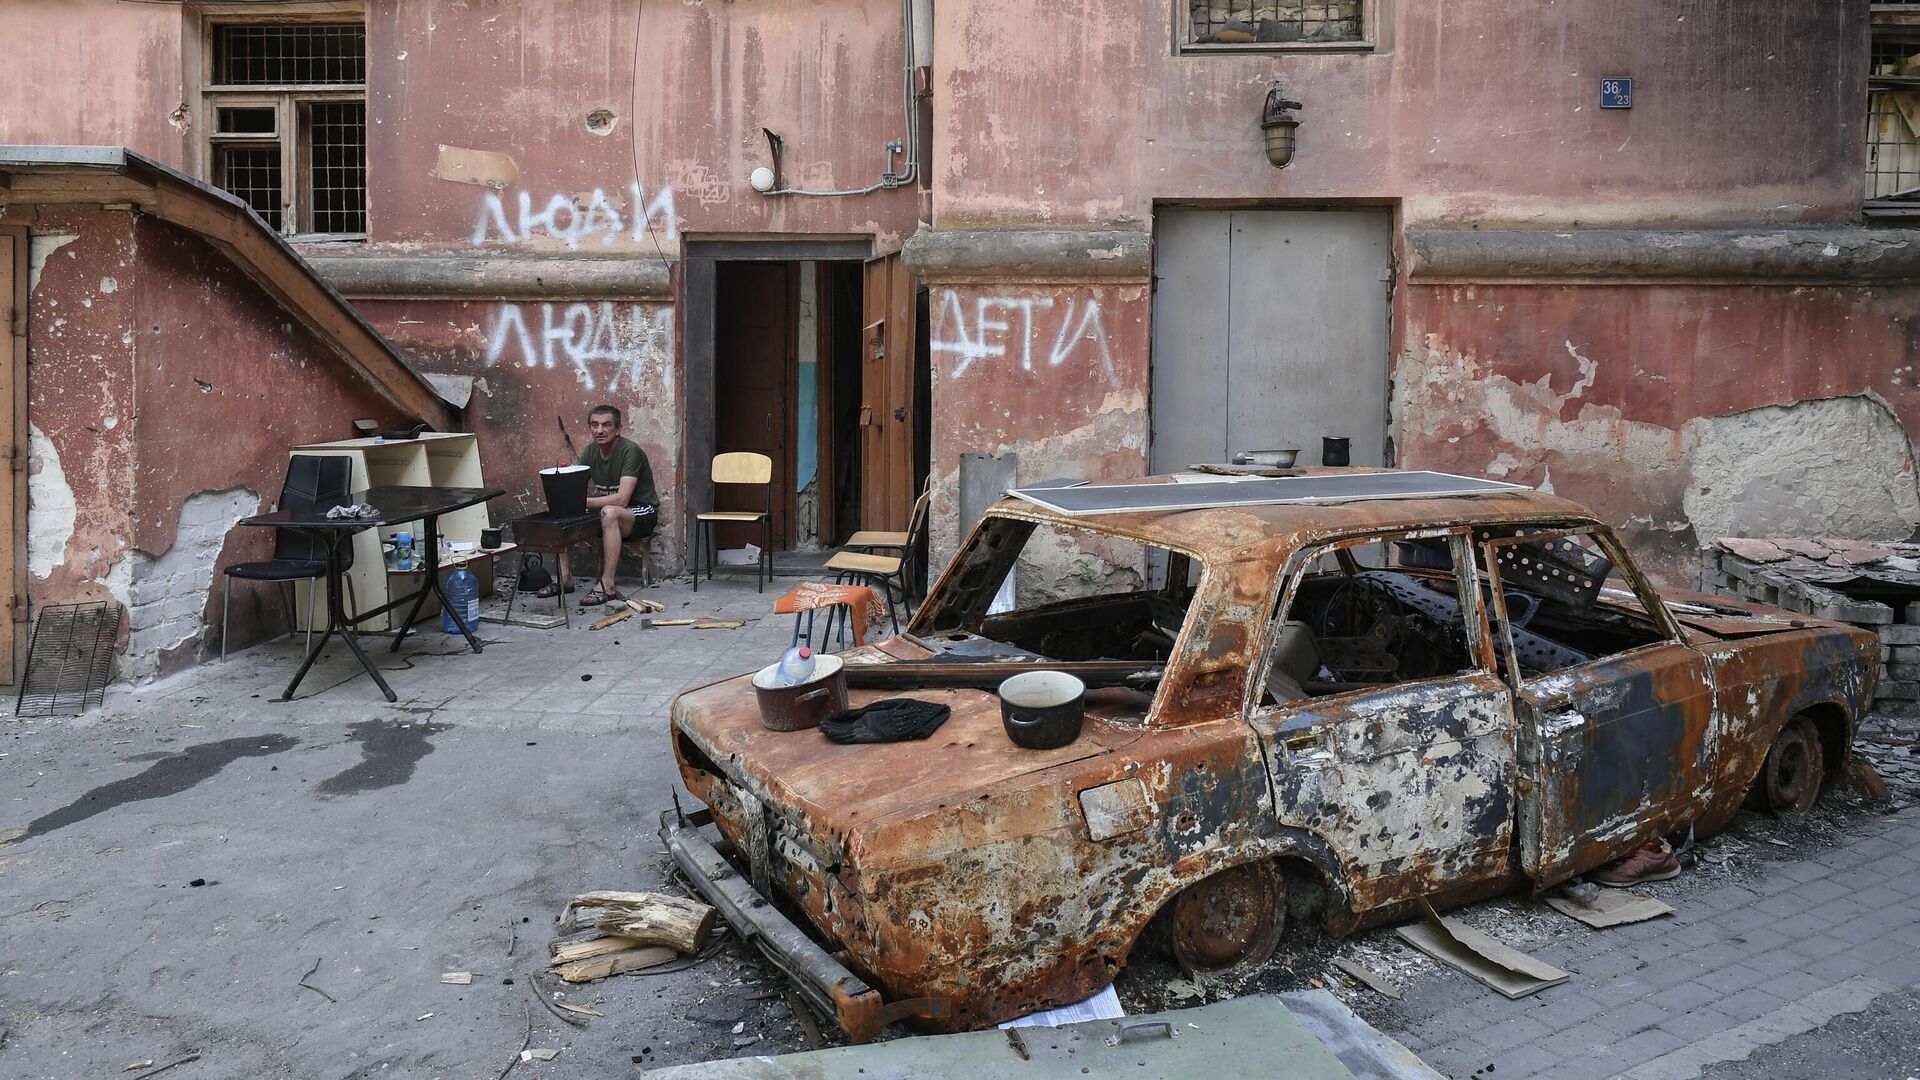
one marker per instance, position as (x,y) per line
(603,944)
(618,963)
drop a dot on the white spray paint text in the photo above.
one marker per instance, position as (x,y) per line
(622,339)
(1026,318)
(573,220)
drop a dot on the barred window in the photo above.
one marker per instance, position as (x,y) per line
(288,132)
(1276,23)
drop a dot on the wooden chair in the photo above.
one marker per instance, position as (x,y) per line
(740,468)
(884,572)
(870,541)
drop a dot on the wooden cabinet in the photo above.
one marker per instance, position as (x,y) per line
(434,459)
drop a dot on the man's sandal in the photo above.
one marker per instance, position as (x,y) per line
(596,598)
(551,591)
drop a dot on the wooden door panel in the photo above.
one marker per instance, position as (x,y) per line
(753,362)
(13,435)
(887,385)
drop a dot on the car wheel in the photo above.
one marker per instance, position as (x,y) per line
(1789,780)
(1231,922)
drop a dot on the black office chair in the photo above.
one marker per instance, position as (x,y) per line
(312,480)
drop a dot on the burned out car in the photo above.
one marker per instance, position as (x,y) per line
(1322,703)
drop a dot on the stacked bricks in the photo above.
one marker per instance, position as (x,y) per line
(1764,571)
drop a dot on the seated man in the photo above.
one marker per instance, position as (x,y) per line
(619,488)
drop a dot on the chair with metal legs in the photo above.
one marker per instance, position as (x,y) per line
(314,480)
(744,469)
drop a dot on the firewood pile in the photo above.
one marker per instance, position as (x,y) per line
(611,933)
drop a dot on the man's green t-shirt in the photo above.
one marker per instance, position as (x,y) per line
(626,459)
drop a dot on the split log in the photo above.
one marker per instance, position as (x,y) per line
(600,944)
(651,918)
(619,963)
(618,616)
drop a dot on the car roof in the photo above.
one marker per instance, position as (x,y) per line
(1279,528)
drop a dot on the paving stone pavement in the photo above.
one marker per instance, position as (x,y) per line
(621,678)
(1734,969)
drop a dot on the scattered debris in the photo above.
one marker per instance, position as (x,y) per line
(539,1054)
(1104,1005)
(310,986)
(1607,907)
(581,1009)
(513,937)
(524,1043)
(457,978)
(703,623)
(1500,966)
(147,1064)
(423,1016)
(533,985)
(168,1065)
(1372,980)
(622,615)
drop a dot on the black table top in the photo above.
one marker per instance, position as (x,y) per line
(395,505)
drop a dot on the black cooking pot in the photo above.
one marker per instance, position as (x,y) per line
(1043,710)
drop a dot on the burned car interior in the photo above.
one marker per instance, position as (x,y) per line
(1377,613)
(1123,612)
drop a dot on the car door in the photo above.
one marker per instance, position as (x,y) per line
(1409,782)
(1612,743)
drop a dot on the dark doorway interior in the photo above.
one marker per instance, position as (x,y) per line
(754,361)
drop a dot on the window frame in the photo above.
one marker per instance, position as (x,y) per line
(1889,22)
(1480,647)
(1656,608)
(1373,14)
(289,101)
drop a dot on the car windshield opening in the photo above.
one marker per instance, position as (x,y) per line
(1044,592)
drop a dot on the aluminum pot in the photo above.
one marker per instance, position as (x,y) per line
(1043,710)
(792,708)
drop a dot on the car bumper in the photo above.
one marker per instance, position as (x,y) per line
(824,982)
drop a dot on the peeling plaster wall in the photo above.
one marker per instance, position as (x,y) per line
(583,96)
(536,362)
(1665,408)
(81,310)
(165,618)
(1831,467)
(1054,373)
(164,389)
(228,382)
(1470,111)
(82,72)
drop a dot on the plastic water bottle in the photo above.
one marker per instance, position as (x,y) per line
(403,551)
(463,596)
(797,666)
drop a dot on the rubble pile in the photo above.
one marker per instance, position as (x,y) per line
(1871,584)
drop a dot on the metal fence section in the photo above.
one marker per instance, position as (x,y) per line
(70,659)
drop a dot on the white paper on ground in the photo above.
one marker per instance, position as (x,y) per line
(1104,1005)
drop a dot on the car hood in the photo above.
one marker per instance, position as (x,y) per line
(842,787)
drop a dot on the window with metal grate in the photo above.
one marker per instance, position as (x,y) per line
(289,131)
(1276,23)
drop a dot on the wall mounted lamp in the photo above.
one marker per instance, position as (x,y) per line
(1280,125)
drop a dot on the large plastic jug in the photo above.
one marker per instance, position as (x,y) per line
(463,596)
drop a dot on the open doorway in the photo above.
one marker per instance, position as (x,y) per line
(820,364)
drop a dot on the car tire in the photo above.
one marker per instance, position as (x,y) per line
(1790,777)
(1230,923)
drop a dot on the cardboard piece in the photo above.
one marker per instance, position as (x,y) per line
(1367,977)
(1500,966)
(1613,907)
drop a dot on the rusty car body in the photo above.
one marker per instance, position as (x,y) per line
(963,880)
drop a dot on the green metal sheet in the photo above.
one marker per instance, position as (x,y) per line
(1243,1037)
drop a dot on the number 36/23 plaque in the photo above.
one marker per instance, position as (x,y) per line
(1616,93)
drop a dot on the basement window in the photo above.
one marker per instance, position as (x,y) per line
(1276,25)
(287,103)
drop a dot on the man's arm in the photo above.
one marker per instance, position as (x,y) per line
(622,497)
